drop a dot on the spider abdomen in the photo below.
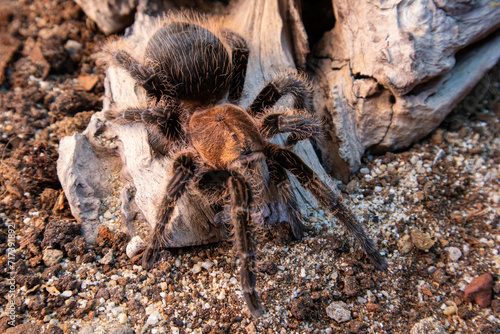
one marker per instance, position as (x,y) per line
(225,136)
(192,60)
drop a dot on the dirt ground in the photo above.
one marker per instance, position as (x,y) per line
(433,209)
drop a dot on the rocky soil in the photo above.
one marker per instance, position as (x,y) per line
(433,210)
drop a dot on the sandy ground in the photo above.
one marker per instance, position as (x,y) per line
(433,211)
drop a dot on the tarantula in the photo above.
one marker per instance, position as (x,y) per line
(193,71)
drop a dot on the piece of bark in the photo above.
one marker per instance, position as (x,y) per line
(389,73)
(8,47)
(121,162)
(111,16)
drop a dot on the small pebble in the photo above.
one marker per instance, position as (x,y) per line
(454,253)
(207,265)
(352,186)
(108,258)
(428,325)
(364,170)
(479,290)
(135,246)
(73,47)
(66,294)
(405,244)
(450,310)
(152,319)
(51,257)
(339,312)
(87,329)
(196,268)
(421,240)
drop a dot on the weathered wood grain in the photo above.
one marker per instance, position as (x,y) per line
(390,71)
(124,149)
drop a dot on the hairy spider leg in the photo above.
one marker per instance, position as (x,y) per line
(163,124)
(309,180)
(239,57)
(283,85)
(213,184)
(241,198)
(184,169)
(290,84)
(299,127)
(143,75)
(279,177)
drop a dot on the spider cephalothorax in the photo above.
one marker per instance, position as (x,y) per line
(220,151)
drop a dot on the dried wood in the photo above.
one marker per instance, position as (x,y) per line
(109,160)
(390,71)
(386,75)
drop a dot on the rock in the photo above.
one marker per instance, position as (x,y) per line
(464,313)
(439,276)
(135,246)
(364,170)
(120,329)
(437,137)
(88,257)
(206,265)
(51,257)
(72,47)
(122,318)
(450,310)
(102,293)
(372,307)
(479,290)
(22,328)
(153,319)
(357,326)
(8,47)
(76,247)
(196,268)
(88,81)
(87,329)
(302,308)
(108,258)
(66,294)
(110,16)
(71,102)
(251,328)
(405,244)
(351,286)
(428,325)
(352,186)
(421,240)
(58,233)
(53,51)
(454,253)
(339,312)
